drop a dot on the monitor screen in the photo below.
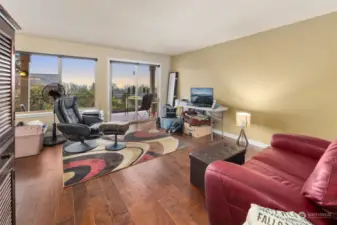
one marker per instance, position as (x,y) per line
(202,96)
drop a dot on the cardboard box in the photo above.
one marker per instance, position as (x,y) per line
(197,131)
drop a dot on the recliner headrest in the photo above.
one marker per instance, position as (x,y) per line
(69,102)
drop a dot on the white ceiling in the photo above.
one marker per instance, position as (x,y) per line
(161,26)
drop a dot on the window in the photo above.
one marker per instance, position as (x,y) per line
(78,78)
(43,70)
(35,71)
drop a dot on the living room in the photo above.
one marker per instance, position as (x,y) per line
(156,112)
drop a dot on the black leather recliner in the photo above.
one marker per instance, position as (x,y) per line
(76,127)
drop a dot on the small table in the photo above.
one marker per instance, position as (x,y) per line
(211,112)
(199,160)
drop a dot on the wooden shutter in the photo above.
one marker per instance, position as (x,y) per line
(7,143)
(6,132)
(6,192)
(6,116)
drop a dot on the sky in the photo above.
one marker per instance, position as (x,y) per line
(78,71)
(82,71)
(122,74)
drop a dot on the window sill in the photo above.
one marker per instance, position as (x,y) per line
(23,115)
(33,114)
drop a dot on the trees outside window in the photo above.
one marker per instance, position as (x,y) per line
(76,74)
(78,79)
(43,70)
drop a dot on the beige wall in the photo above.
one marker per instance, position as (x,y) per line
(50,46)
(286,77)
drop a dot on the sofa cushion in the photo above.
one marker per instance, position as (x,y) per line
(289,162)
(321,186)
(288,180)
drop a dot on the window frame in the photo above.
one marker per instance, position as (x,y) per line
(29,113)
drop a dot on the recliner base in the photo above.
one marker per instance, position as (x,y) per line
(48,141)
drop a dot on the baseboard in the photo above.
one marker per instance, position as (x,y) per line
(234,136)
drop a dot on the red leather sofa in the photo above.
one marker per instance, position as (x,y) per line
(296,173)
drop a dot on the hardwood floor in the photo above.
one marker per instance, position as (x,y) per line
(155,192)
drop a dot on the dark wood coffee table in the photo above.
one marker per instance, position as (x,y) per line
(200,159)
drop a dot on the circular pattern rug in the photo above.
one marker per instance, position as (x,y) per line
(141,146)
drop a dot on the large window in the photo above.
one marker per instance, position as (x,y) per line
(78,78)
(43,70)
(35,71)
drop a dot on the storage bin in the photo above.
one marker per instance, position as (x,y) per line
(28,140)
(166,123)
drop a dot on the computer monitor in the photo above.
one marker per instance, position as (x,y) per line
(202,96)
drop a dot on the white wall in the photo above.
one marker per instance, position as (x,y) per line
(51,46)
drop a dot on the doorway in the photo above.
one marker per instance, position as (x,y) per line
(132,85)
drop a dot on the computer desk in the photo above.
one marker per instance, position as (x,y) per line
(212,113)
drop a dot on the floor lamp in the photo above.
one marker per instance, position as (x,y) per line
(243,121)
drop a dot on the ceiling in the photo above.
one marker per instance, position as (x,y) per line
(160,26)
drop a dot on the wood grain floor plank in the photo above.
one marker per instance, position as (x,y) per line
(150,213)
(130,187)
(19,194)
(65,209)
(48,191)
(69,221)
(123,219)
(199,214)
(98,202)
(181,181)
(192,207)
(26,210)
(155,192)
(114,200)
(84,214)
(178,214)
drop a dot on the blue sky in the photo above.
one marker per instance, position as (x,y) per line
(43,64)
(122,74)
(78,71)
(82,71)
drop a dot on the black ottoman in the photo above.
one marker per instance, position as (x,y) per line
(199,160)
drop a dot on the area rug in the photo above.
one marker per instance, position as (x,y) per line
(141,146)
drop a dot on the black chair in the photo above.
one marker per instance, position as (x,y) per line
(145,105)
(76,127)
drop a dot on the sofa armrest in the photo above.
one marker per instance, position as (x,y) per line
(304,145)
(230,189)
(90,120)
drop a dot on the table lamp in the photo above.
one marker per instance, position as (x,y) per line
(243,121)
